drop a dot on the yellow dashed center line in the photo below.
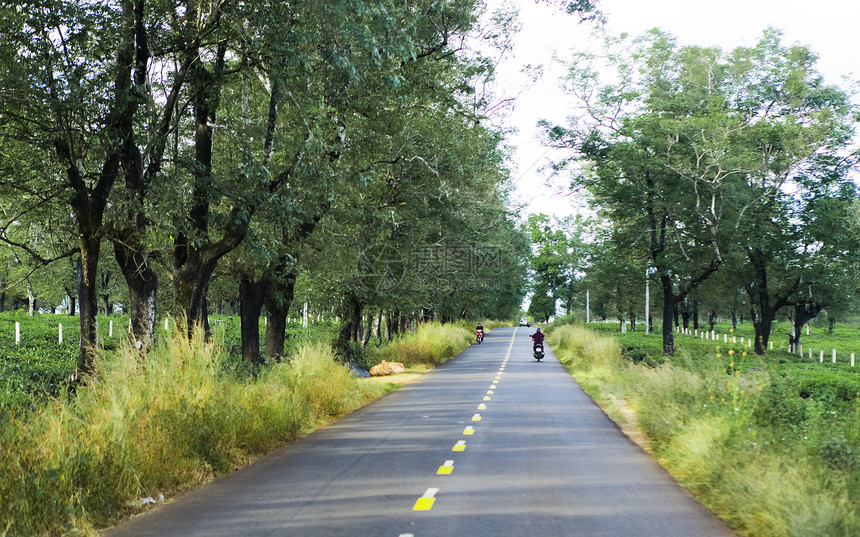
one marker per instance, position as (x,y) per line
(426,501)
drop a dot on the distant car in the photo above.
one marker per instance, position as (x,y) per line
(525,322)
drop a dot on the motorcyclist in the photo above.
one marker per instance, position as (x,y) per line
(479,330)
(538,338)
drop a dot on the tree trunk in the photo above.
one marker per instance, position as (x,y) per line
(377,327)
(276,333)
(695,314)
(684,306)
(278,303)
(190,283)
(142,283)
(349,320)
(369,331)
(803,313)
(734,318)
(712,319)
(105,277)
(676,315)
(632,322)
(762,323)
(195,255)
(831,323)
(763,308)
(88,303)
(391,323)
(669,311)
(251,296)
(31,299)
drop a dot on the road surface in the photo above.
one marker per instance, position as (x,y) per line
(491,443)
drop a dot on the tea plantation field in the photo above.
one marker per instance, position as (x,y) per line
(41,366)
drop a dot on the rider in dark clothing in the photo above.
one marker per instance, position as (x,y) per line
(538,337)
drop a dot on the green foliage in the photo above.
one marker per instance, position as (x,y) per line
(559,253)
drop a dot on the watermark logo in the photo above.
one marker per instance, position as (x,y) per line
(381,268)
(440,268)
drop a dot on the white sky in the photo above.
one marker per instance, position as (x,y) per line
(830,28)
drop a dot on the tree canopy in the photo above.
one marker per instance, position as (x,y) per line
(702,160)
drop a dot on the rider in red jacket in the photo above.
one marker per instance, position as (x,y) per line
(538,337)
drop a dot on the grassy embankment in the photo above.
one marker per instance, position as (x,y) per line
(186,414)
(771,444)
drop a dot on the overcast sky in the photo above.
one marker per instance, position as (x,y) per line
(828,27)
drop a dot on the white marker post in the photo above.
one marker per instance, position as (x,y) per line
(17,333)
(110,329)
(60,338)
(834,356)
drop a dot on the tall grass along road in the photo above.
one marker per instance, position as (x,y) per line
(490,443)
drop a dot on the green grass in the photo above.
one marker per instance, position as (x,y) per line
(432,343)
(183,415)
(770,443)
(158,426)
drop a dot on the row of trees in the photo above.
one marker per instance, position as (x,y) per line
(336,149)
(727,176)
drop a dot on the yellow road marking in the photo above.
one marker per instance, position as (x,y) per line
(492,386)
(482,406)
(476,417)
(490,392)
(446,468)
(425,502)
(486,398)
(468,431)
(459,446)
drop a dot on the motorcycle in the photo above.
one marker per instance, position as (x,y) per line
(480,334)
(538,351)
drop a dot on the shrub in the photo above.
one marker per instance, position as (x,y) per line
(431,343)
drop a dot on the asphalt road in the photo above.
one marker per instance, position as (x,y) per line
(492,443)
